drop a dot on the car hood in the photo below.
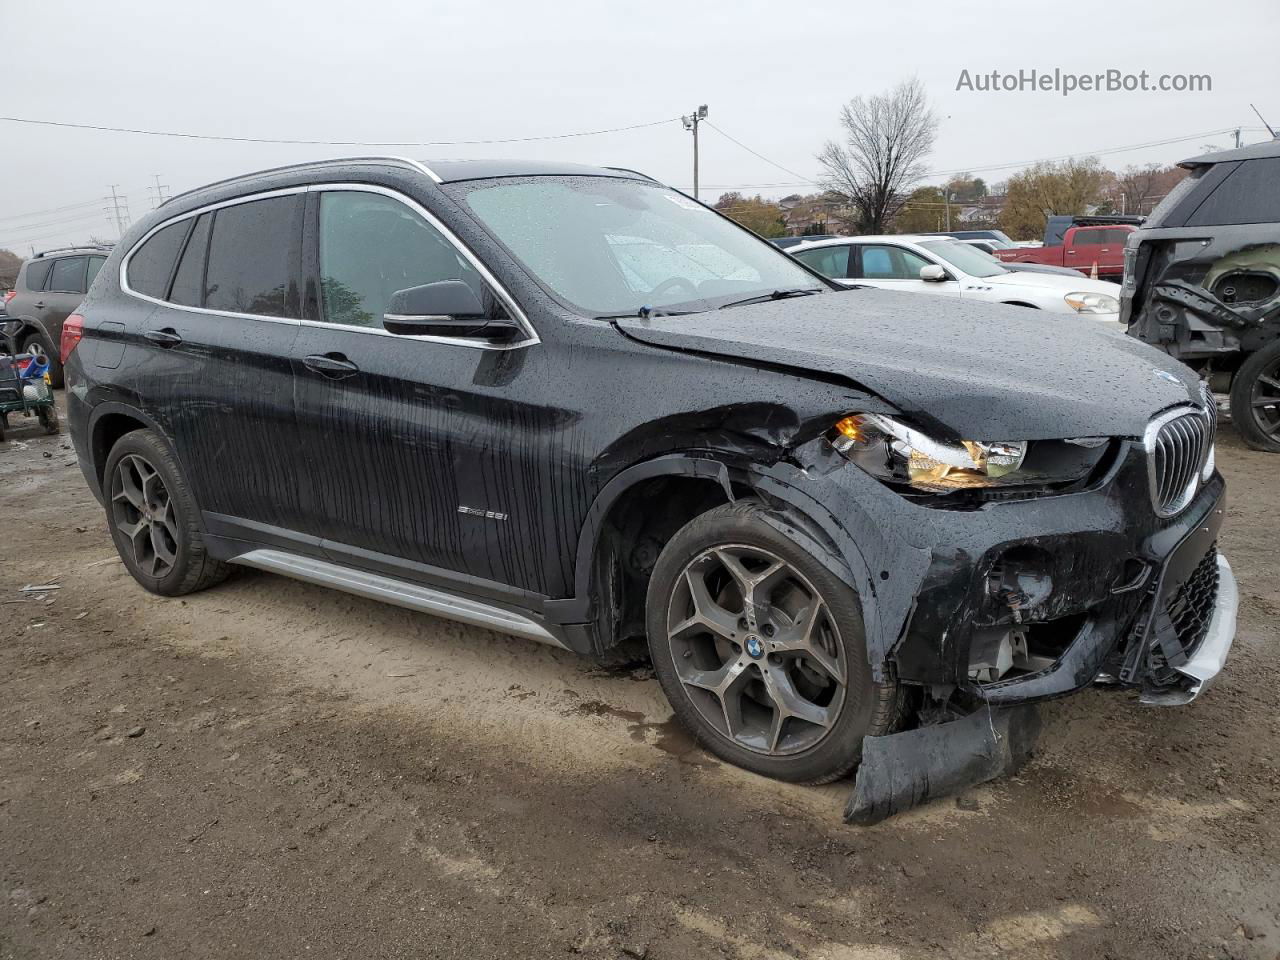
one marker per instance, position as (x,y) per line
(985,371)
(1052,282)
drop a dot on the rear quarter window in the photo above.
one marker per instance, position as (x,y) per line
(36,273)
(151,265)
(1251,194)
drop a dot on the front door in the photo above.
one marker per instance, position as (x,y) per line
(405,434)
(891,267)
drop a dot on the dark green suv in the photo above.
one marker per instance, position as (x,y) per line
(49,288)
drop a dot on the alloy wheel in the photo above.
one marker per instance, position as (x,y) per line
(143,511)
(756,650)
(1264,400)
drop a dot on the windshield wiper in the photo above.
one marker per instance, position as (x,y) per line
(775,295)
(645,313)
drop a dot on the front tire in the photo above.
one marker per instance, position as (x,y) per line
(1255,399)
(761,650)
(154,520)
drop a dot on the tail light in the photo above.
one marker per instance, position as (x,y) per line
(9,295)
(72,331)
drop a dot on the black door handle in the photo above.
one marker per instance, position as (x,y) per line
(332,365)
(39,304)
(168,337)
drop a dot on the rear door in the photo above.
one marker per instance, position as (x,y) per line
(62,293)
(211,361)
(832,262)
(1086,246)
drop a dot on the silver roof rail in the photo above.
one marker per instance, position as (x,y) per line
(332,161)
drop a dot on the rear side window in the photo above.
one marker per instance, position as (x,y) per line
(67,275)
(151,265)
(1089,236)
(831,262)
(253,258)
(1250,195)
(188,282)
(37,273)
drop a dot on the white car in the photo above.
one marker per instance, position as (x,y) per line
(949,268)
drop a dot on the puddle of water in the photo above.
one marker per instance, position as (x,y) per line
(669,735)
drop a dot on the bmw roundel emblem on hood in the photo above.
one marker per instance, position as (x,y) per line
(1166,375)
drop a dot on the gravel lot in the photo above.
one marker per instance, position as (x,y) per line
(268,769)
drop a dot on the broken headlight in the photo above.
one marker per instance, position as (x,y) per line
(899,454)
(1092,303)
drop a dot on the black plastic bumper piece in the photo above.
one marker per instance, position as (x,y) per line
(904,770)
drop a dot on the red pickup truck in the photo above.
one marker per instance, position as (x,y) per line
(1082,247)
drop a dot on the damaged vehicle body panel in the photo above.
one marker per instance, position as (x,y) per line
(1202,282)
(573,405)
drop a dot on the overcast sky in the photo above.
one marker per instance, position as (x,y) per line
(774,75)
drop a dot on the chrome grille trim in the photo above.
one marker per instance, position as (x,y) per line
(1178,443)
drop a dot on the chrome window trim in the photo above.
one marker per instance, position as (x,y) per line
(530,334)
(1197,480)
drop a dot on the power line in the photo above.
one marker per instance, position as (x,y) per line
(334,143)
(40,213)
(754,153)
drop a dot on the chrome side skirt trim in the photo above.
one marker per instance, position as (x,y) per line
(409,595)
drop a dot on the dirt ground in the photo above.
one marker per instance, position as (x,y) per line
(269,769)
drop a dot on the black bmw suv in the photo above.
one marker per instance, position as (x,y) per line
(572,404)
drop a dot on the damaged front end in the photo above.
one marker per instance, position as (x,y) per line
(990,596)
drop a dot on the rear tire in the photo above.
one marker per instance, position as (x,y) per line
(154,520)
(49,350)
(1255,383)
(784,690)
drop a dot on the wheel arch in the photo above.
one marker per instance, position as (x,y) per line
(610,582)
(109,422)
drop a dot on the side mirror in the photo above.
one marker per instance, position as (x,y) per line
(446,308)
(933,273)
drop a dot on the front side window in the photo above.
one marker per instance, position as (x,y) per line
(610,247)
(151,265)
(67,275)
(964,257)
(372,246)
(831,262)
(891,263)
(253,258)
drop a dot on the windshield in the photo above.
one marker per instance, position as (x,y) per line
(965,258)
(611,247)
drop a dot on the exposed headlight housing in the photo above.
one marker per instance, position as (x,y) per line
(1092,303)
(899,454)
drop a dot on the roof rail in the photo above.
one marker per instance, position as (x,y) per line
(416,165)
(78,246)
(643,176)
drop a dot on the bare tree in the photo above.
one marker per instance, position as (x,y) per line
(1135,186)
(886,138)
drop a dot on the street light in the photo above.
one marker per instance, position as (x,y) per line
(691,123)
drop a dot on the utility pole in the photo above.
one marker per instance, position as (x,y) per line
(691,123)
(947,195)
(160,189)
(116,202)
